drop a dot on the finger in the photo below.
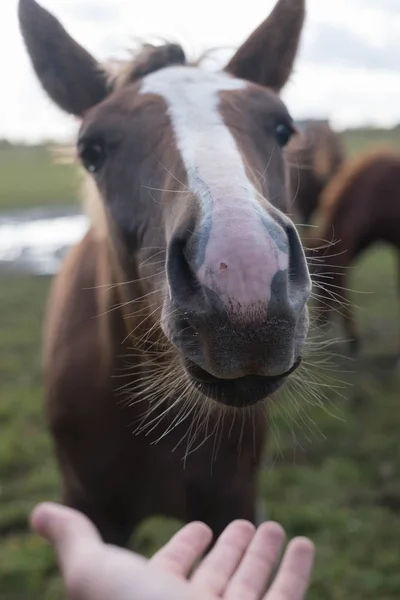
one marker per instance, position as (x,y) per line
(181,552)
(293,577)
(218,567)
(66,529)
(254,572)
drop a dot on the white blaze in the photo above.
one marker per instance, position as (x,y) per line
(234,222)
(209,152)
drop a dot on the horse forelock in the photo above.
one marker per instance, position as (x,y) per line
(145,58)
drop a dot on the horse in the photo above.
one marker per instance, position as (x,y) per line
(358,208)
(314,157)
(184,307)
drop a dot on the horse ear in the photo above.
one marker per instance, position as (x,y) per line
(71,77)
(268,55)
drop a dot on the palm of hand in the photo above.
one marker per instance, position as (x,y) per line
(239,566)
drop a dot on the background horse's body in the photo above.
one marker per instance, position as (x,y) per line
(314,157)
(361,206)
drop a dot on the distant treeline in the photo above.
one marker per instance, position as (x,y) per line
(367,131)
(8,145)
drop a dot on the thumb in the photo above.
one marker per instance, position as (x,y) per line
(68,530)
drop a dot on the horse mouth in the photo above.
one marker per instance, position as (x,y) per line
(236,393)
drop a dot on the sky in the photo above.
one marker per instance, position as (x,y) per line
(348,68)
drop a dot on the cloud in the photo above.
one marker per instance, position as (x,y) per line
(387,6)
(348,97)
(336,46)
(92,11)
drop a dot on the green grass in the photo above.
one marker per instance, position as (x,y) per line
(365,139)
(27,471)
(29,178)
(333,475)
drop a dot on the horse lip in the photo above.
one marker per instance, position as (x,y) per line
(240,392)
(203,376)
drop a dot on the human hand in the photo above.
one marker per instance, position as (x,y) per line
(238,567)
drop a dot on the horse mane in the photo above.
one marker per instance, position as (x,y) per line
(332,196)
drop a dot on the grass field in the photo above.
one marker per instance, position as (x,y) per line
(333,475)
(29,178)
(363,140)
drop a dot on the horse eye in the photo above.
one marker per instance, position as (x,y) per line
(283,134)
(92,155)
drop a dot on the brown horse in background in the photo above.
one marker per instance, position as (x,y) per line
(359,207)
(314,156)
(184,308)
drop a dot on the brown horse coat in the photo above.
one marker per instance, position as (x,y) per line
(184,306)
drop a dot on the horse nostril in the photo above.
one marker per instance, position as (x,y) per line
(299,276)
(182,281)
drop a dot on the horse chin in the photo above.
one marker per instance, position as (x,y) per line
(236,393)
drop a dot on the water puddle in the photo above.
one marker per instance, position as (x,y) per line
(37,241)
